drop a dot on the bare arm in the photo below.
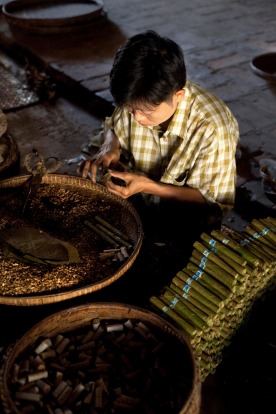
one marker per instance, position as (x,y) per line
(136,183)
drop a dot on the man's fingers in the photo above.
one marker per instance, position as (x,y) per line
(118,189)
(93,170)
(81,167)
(118,174)
(85,168)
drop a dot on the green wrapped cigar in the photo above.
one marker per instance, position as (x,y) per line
(268,254)
(241,270)
(206,281)
(267,223)
(113,236)
(259,236)
(180,308)
(189,298)
(262,248)
(235,246)
(271,220)
(214,258)
(182,323)
(264,231)
(201,289)
(253,245)
(226,250)
(201,314)
(213,283)
(100,233)
(112,228)
(188,291)
(214,270)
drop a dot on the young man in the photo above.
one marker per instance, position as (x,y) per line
(181,138)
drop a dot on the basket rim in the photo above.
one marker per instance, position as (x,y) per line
(91,311)
(262,58)
(42,299)
(13,154)
(36,23)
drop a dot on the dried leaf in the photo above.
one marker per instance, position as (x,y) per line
(36,246)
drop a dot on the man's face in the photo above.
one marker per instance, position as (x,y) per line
(153,116)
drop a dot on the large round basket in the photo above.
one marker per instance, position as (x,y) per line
(67,324)
(95,194)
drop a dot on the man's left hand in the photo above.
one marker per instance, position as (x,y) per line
(134,183)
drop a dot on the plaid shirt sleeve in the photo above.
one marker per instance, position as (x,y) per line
(214,173)
(206,157)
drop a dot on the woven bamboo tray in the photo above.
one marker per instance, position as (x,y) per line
(128,217)
(81,316)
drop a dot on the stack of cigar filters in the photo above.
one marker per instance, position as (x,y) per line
(210,297)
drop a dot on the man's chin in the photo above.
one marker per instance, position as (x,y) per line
(147,125)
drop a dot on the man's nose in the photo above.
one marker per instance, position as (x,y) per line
(138,116)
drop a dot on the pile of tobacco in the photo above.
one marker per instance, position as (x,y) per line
(64,241)
(108,366)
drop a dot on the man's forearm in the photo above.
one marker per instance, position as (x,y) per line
(111,140)
(172,192)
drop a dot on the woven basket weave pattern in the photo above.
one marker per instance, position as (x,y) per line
(80,316)
(129,217)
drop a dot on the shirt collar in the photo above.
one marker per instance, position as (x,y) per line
(178,124)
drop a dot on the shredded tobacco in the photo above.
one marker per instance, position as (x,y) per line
(60,210)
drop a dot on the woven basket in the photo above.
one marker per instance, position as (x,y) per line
(74,318)
(129,217)
(11,156)
(52,16)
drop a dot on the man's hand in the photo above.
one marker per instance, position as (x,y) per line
(108,155)
(137,183)
(133,183)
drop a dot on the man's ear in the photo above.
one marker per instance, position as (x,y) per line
(179,95)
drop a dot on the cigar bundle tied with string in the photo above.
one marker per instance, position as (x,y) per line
(225,275)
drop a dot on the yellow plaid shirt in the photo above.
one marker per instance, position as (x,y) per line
(198,149)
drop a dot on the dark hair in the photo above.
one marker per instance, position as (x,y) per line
(147,70)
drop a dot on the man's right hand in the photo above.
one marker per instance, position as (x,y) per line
(108,156)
